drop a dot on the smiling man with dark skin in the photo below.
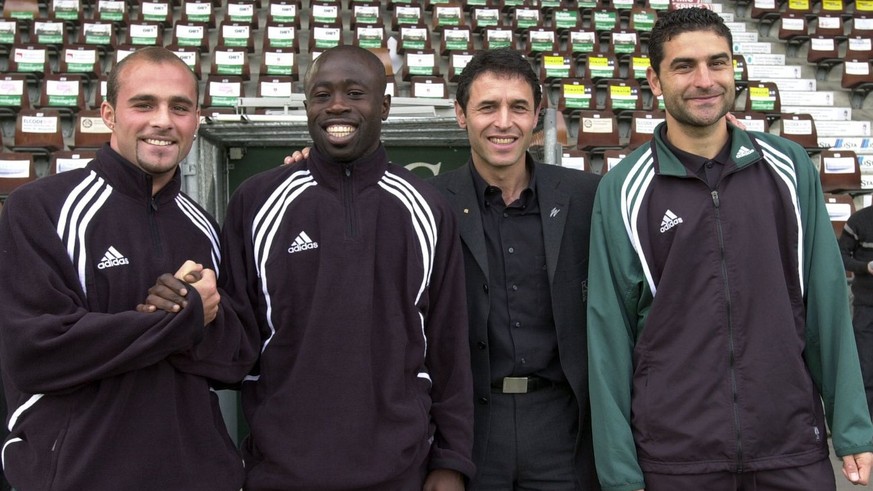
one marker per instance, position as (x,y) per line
(351,269)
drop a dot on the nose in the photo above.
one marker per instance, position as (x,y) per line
(337,104)
(702,76)
(503,118)
(161,116)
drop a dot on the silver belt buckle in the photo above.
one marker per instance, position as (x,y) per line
(515,385)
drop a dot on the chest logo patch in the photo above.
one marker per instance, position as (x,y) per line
(669,221)
(112,258)
(302,243)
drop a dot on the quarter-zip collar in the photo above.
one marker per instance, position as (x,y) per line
(130,180)
(743,152)
(364,171)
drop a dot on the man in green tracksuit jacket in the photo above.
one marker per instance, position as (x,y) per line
(718,312)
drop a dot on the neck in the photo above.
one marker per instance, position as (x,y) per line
(511,180)
(705,141)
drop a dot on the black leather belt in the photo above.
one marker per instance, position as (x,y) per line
(523,385)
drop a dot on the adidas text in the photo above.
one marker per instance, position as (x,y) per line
(665,226)
(302,247)
(108,263)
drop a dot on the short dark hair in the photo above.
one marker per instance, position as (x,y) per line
(503,61)
(680,21)
(154,54)
(366,55)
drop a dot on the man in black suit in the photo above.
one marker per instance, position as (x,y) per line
(524,228)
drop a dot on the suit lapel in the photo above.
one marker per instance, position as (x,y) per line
(466,207)
(554,205)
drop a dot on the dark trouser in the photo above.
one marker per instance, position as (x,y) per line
(818,476)
(862,322)
(531,442)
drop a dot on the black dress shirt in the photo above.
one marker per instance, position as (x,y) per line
(521,330)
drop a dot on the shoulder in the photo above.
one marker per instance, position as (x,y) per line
(404,177)
(575,179)
(445,179)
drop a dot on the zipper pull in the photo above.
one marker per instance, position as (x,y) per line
(715,198)
(348,170)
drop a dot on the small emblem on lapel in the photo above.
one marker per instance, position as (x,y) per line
(554,213)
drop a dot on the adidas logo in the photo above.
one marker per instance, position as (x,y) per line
(112,258)
(742,152)
(669,221)
(302,243)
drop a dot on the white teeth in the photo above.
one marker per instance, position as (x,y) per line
(340,130)
(162,143)
(502,141)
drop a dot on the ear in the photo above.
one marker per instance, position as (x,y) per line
(107,112)
(459,115)
(386,106)
(654,81)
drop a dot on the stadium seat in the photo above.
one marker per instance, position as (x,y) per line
(230,60)
(366,13)
(623,96)
(98,33)
(541,40)
(66,160)
(575,94)
(420,62)
(197,12)
(242,12)
(144,33)
(111,11)
(385,57)
(499,37)
(63,92)
(859,48)
(800,128)
(858,79)
(429,87)
(38,131)
(830,25)
(81,59)
(794,30)
(279,61)
(14,93)
(10,34)
(370,36)
(21,9)
(413,37)
(482,18)
(754,121)
(862,24)
(599,66)
(67,11)
(457,61)
(407,15)
(643,125)
(284,12)
(583,42)
(325,36)
(555,65)
(622,42)
(29,59)
(192,34)
(17,169)
(840,207)
(525,18)
(456,38)
(281,35)
(222,91)
(598,130)
(576,159)
(839,171)
(157,11)
(89,130)
(325,12)
(269,86)
(236,34)
(48,32)
(613,157)
(763,97)
(565,19)
(447,15)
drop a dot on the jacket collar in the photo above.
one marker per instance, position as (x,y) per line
(743,153)
(364,171)
(129,179)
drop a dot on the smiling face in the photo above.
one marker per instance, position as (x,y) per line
(499,119)
(154,118)
(696,79)
(346,103)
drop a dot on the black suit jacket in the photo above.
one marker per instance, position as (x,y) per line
(566,199)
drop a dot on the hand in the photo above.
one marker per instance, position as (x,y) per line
(870,267)
(297,156)
(207,287)
(734,121)
(444,480)
(168,294)
(856,468)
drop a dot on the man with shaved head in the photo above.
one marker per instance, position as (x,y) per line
(351,269)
